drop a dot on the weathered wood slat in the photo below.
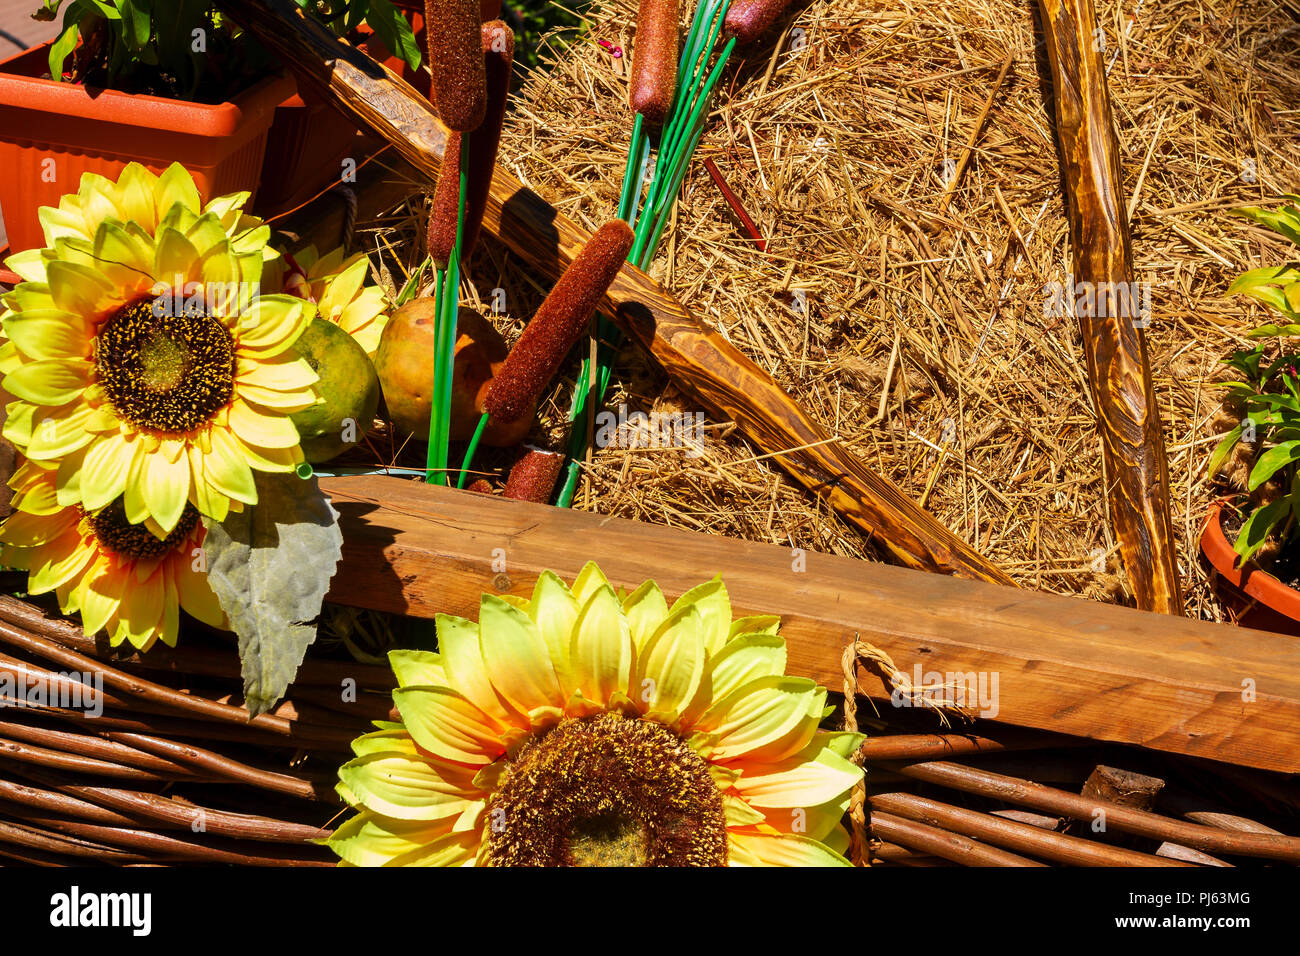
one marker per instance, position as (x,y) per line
(1119,373)
(1061,664)
(695,356)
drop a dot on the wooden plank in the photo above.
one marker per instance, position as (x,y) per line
(1119,373)
(694,355)
(1061,664)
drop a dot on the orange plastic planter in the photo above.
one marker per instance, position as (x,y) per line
(1281,604)
(51,133)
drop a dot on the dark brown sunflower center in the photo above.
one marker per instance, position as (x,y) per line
(165,372)
(114,533)
(607,791)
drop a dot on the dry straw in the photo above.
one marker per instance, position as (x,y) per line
(902,166)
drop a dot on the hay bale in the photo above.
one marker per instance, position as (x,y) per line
(916,320)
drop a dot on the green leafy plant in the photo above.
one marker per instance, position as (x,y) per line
(1267,392)
(179,48)
(186,49)
(388,22)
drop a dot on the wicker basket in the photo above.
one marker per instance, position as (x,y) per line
(172,771)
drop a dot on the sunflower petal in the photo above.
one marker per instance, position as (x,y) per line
(757,713)
(51,382)
(60,432)
(670,667)
(166,488)
(646,609)
(745,659)
(600,650)
(104,471)
(48,334)
(272,324)
(813,776)
(260,428)
(765,849)
(369,839)
(516,656)
(447,725)
(554,610)
(408,788)
(462,660)
(714,607)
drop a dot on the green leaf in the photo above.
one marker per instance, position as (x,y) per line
(1272,461)
(1266,276)
(394,31)
(412,285)
(1221,450)
(62,47)
(1284,221)
(137,27)
(270,566)
(1256,530)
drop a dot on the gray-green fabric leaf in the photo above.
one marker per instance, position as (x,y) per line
(270,566)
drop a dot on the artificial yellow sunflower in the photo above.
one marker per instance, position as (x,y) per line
(143,359)
(127,579)
(339,290)
(582,727)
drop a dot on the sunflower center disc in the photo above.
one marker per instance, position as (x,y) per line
(114,533)
(607,790)
(170,373)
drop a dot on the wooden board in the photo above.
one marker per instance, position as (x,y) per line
(1062,664)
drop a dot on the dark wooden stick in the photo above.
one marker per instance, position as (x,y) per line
(159,845)
(187,659)
(46,799)
(1010,834)
(694,355)
(931,746)
(942,843)
(1151,825)
(1119,373)
(84,851)
(158,694)
(87,746)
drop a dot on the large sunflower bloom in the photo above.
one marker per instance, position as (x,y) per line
(129,580)
(581,727)
(143,359)
(339,289)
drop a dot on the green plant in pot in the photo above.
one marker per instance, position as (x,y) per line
(154,81)
(181,49)
(1258,456)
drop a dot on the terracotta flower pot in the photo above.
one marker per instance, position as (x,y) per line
(305,148)
(1278,607)
(51,133)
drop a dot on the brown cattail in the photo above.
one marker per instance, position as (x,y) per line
(747,19)
(498,59)
(533,476)
(456,63)
(480,486)
(558,324)
(654,60)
